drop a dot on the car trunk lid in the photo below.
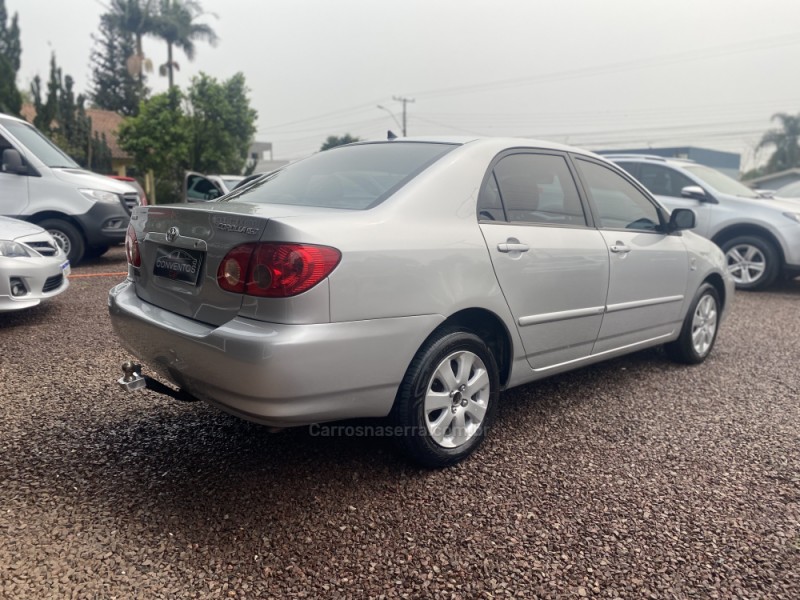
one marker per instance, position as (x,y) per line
(181,249)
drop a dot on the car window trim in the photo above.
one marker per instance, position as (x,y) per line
(588,216)
(630,179)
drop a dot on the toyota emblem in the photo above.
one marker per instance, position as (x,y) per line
(172,233)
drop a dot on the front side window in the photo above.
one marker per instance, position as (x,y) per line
(618,203)
(534,188)
(355,177)
(663,181)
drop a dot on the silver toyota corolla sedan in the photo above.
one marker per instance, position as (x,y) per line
(32,266)
(412,279)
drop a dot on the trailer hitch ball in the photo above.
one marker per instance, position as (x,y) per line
(132,377)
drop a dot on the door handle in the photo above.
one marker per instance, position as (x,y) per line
(509,247)
(620,248)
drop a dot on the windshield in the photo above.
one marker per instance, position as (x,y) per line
(720,181)
(355,177)
(789,191)
(38,145)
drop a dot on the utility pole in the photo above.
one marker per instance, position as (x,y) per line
(404,101)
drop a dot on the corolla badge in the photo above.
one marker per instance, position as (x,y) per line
(172,233)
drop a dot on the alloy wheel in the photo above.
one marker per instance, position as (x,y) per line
(704,325)
(746,263)
(457,398)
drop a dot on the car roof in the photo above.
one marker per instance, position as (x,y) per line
(647,158)
(499,142)
(12,118)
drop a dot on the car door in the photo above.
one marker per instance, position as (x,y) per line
(551,264)
(666,183)
(649,269)
(13,187)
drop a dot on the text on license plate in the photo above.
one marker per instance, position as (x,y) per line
(178,264)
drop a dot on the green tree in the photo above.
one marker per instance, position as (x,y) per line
(62,117)
(785,141)
(46,119)
(114,87)
(159,139)
(222,124)
(136,17)
(210,130)
(334,141)
(177,25)
(10,54)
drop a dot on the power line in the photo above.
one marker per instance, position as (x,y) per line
(693,55)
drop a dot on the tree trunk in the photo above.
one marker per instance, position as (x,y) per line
(140,56)
(169,64)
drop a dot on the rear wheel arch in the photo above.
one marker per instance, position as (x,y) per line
(490,328)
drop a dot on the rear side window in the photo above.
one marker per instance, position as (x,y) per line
(354,177)
(533,188)
(619,204)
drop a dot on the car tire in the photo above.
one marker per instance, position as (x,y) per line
(752,262)
(699,330)
(67,237)
(447,400)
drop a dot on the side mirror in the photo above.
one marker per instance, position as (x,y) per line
(12,162)
(681,218)
(696,193)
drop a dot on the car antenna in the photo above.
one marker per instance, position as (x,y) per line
(390,135)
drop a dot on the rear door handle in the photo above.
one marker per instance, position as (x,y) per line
(620,248)
(512,247)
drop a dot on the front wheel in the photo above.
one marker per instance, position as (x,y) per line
(699,331)
(67,236)
(752,262)
(447,399)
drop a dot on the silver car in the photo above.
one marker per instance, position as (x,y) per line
(760,236)
(413,279)
(32,265)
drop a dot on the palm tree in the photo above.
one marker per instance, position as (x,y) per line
(136,17)
(785,140)
(176,24)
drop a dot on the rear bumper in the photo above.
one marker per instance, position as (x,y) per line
(278,375)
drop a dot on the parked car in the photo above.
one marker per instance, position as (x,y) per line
(413,279)
(134,184)
(760,236)
(202,188)
(32,265)
(84,212)
(788,191)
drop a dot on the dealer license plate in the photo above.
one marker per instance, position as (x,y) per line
(178,264)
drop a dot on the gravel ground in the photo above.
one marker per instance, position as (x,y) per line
(632,479)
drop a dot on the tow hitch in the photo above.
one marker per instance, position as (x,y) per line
(132,380)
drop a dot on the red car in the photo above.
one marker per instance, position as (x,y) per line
(134,183)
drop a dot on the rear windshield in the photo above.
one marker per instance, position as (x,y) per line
(354,177)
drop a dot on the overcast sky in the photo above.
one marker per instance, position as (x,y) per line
(593,73)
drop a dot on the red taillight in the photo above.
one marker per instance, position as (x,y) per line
(275,270)
(232,272)
(132,248)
